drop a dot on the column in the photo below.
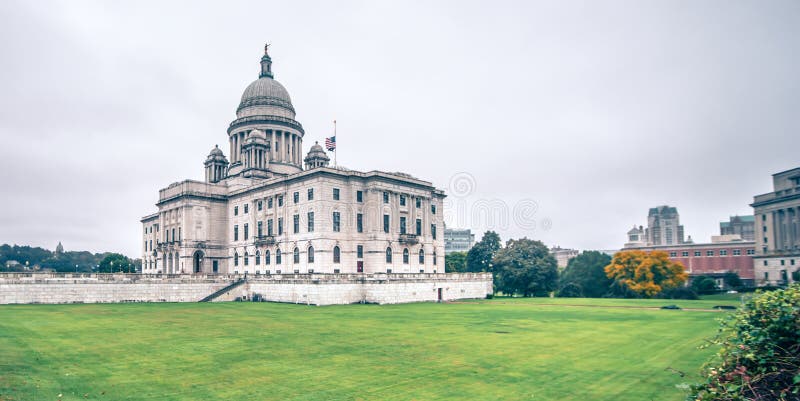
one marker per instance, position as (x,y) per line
(293,146)
(272,147)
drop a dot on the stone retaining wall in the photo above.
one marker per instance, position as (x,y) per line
(313,289)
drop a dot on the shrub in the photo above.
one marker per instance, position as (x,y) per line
(570,290)
(679,293)
(759,358)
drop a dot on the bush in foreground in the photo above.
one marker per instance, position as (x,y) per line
(760,354)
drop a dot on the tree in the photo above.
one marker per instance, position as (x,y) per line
(525,267)
(586,271)
(645,274)
(455,262)
(704,285)
(759,358)
(479,257)
(114,263)
(732,280)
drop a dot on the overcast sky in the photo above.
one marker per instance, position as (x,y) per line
(578,116)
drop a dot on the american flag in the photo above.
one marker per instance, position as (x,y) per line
(330,143)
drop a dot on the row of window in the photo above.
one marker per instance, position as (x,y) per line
(337,225)
(722,252)
(335,196)
(783,262)
(337,256)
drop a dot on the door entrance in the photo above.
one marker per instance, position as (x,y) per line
(440,295)
(360,266)
(198,262)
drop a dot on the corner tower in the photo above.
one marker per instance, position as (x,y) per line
(266,107)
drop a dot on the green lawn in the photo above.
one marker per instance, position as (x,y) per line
(502,349)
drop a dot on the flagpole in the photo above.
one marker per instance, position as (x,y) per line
(336,147)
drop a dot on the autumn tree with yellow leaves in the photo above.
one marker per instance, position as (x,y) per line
(646,274)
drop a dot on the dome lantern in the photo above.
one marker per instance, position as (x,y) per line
(266,64)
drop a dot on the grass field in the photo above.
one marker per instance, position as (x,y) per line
(502,349)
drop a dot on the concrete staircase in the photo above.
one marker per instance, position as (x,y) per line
(224,290)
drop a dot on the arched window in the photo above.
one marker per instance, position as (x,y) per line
(266,257)
(277,256)
(170,262)
(421,256)
(258,257)
(434,257)
(337,255)
(405,256)
(388,255)
(236,258)
(246,258)
(296,255)
(311,254)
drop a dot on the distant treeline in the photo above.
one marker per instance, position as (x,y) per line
(39,258)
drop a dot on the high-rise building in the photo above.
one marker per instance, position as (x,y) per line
(777,225)
(663,226)
(458,240)
(743,226)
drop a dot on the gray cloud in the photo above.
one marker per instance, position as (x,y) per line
(594,110)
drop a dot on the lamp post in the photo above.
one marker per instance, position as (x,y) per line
(111,269)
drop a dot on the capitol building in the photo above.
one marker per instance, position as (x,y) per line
(269,208)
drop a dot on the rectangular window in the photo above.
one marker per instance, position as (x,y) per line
(260,229)
(336,194)
(765,228)
(765,240)
(260,205)
(360,222)
(685,254)
(359,196)
(433,233)
(246,208)
(296,223)
(709,253)
(245,232)
(280,200)
(402,225)
(386,223)
(419,227)
(311,222)
(673,254)
(723,252)
(402,200)
(737,252)
(280,225)
(311,194)
(235,232)
(697,253)
(751,252)
(269,203)
(236,210)
(337,222)
(360,251)
(385,197)
(418,203)
(433,209)
(269,227)
(296,197)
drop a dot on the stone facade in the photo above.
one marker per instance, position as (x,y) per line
(777,230)
(263,214)
(312,289)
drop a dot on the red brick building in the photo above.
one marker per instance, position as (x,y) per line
(712,259)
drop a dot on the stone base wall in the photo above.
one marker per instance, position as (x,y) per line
(312,289)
